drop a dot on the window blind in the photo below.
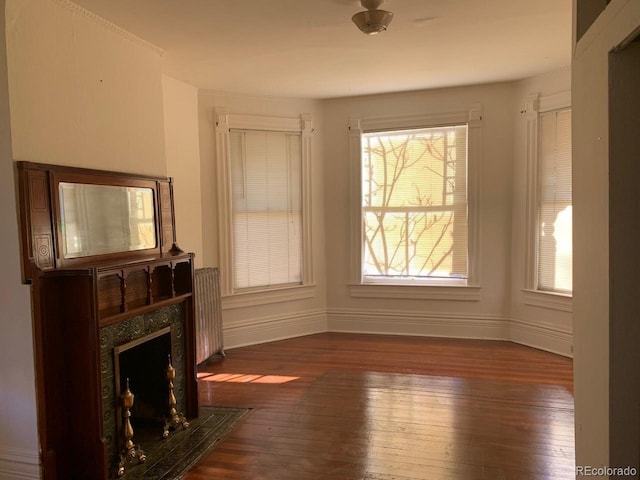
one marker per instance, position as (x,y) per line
(555,254)
(266,169)
(414,203)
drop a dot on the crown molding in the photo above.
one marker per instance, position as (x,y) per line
(103,22)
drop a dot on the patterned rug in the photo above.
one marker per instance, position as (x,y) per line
(169,459)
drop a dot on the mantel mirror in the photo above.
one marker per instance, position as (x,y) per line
(74,217)
(102,219)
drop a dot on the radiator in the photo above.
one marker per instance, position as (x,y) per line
(208,312)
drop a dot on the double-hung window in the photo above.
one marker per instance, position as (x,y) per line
(266,179)
(549,226)
(414,204)
(263,167)
(414,210)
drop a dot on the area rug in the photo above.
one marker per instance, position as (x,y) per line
(171,458)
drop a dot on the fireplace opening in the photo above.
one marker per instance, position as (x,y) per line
(138,348)
(144,363)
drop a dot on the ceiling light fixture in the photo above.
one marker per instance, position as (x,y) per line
(372,21)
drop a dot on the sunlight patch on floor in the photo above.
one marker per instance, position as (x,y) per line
(245,378)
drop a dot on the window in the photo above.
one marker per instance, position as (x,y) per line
(554,255)
(414,204)
(549,263)
(414,228)
(267,208)
(263,167)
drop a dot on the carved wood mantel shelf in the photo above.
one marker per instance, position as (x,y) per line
(91,271)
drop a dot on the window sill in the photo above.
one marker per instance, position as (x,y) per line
(264,297)
(551,300)
(417,292)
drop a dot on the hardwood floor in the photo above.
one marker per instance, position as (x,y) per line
(349,406)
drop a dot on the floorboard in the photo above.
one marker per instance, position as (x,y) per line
(374,407)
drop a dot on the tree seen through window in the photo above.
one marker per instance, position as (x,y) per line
(414,200)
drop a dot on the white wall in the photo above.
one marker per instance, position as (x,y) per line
(483,318)
(590,87)
(549,328)
(18,430)
(183,162)
(81,94)
(260,323)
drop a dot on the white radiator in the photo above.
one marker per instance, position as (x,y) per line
(208,312)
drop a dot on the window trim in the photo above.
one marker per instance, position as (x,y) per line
(536,105)
(224,122)
(472,117)
(264,297)
(547,299)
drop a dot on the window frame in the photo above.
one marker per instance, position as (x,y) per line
(224,122)
(535,106)
(444,289)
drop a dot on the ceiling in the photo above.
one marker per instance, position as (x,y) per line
(311,49)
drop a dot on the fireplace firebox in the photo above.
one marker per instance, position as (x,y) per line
(142,364)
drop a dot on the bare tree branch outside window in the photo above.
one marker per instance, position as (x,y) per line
(414,203)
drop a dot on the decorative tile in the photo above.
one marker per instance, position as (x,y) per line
(171,458)
(124,332)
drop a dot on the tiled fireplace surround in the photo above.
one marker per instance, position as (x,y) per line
(126,331)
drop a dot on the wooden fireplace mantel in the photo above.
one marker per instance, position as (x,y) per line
(75,296)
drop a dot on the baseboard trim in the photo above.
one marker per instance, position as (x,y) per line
(278,327)
(16,464)
(542,337)
(430,324)
(396,322)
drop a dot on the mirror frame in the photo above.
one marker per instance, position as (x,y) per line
(41,224)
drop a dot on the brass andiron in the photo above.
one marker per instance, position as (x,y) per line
(130,451)
(175,419)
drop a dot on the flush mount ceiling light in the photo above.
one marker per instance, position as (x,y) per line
(372,21)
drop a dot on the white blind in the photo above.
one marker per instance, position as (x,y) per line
(266,174)
(555,254)
(414,203)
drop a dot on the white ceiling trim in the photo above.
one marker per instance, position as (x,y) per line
(103,22)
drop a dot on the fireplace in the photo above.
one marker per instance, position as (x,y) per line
(137,348)
(87,302)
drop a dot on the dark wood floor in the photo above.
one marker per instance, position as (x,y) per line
(347,406)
